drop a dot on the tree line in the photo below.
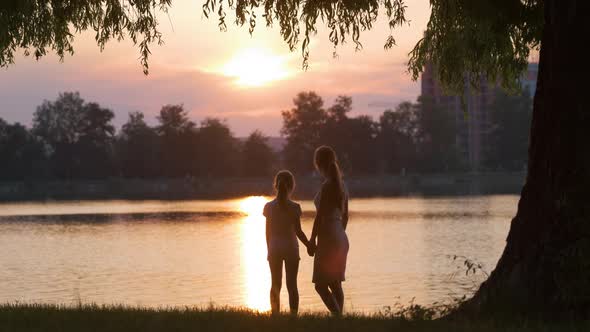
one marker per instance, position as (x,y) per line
(74,139)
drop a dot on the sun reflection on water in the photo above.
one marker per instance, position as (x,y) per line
(256,273)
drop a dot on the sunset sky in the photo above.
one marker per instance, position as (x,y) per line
(230,75)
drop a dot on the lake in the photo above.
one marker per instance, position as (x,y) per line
(185,253)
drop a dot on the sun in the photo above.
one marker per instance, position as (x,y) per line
(256,67)
(252,206)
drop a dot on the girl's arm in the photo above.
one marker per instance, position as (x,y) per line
(299,232)
(267,231)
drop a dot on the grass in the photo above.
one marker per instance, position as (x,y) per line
(37,317)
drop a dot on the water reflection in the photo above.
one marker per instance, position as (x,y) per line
(179,253)
(253,253)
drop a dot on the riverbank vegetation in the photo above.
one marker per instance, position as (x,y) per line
(425,185)
(71,139)
(21,318)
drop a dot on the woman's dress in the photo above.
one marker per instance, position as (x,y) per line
(332,248)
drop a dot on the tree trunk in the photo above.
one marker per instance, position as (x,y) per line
(545,267)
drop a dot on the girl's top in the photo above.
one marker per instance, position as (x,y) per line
(280,223)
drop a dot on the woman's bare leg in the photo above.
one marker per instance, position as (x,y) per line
(327,298)
(291,270)
(276,275)
(338,293)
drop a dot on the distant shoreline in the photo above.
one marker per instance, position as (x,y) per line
(446,184)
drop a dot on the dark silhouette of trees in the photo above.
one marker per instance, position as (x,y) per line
(176,134)
(218,149)
(308,125)
(414,138)
(302,126)
(436,138)
(72,139)
(22,155)
(509,136)
(137,149)
(397,139)
(96,142)
(78,136)
(360,150)
(257,157)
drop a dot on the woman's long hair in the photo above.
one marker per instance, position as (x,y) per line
(326,162)
(284,184)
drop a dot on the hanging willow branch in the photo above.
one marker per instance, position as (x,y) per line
(37,26)
(489,38)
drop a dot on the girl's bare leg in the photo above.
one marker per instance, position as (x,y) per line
(276,274)
(291,270)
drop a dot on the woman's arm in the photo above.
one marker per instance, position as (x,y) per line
(314,229)
(267,234)
(321,211)
(345,212)
(318,216)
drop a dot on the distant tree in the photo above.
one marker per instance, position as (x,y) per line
(436,138)
(137,148)
(58,122)
(302,127)
(257,155)
(397,138)
(177,134)
(509,136)
(218,149)
(341,108)
(361,152)
(309,125)
(78,136)
(21,154)
(336,131)
(95,145)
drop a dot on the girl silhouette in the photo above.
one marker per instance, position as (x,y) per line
(283,227)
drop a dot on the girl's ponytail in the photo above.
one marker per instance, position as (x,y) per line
(284,184)
(282,193)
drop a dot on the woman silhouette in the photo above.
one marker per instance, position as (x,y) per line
(329,228)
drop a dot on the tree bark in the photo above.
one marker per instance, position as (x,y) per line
(545,267)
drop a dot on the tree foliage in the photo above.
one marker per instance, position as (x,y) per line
(397,138)
(75,139)
(257,157)
(462,36)
(509,135)
(176,132)
(138,148)
(37,26)
(21,153)
(77,134)
(415,137)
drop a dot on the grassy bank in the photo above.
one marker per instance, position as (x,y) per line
(16,318)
